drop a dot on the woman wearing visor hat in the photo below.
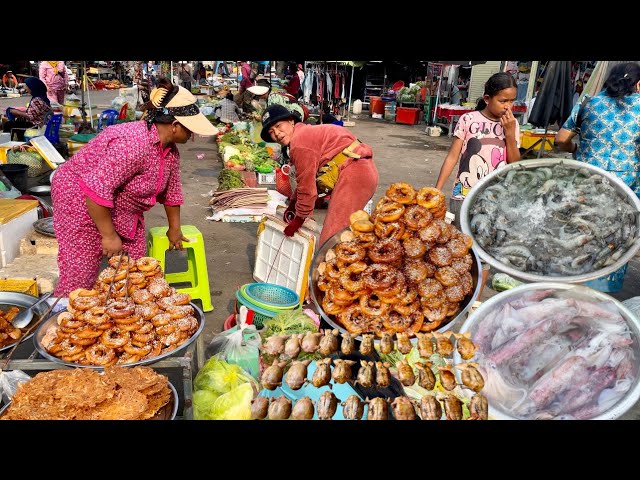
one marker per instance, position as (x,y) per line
(327,159)
(101,193)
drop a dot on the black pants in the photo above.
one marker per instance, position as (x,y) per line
(19,124)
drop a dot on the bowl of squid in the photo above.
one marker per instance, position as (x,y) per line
(553,350)
(327,251)
(552,219)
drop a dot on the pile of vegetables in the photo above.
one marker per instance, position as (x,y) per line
(288,322)
(223,391)
(229,179)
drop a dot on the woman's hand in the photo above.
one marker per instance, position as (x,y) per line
(176,238)
(508,122)
(111,245)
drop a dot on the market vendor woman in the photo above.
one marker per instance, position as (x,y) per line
(327,159)
(102,192)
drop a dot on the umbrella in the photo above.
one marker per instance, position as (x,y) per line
(555,98)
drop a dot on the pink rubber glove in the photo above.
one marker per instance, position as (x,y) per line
(294,226)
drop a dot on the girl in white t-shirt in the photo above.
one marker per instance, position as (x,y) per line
(483,140)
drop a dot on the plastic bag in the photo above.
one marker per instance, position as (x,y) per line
(633,304)
(9,383)
(238,345)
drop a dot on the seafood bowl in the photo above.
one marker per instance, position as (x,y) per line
(554,220)
(53,322)
(317,295)
(553,350)
(23,301)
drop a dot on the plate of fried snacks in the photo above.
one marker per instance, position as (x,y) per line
(118,393)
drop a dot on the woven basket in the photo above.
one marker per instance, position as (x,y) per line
(31,158)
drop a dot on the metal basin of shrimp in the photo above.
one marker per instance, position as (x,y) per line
(553,350)
(553,219)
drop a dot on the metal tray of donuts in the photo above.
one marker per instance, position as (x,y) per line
(317,295)
(52,322)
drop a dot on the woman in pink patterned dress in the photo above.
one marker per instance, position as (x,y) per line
(101,193)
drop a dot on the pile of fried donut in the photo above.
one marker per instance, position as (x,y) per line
(8,333)
(143,317)
(404,269)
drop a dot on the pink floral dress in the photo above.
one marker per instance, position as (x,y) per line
(124,168)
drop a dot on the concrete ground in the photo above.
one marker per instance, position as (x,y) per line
(402,153)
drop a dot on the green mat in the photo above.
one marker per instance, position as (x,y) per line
(82,137)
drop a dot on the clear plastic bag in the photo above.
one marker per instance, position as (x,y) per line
(9,383)
(633,304)
(238,345)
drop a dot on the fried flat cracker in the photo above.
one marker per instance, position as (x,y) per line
(126,404)
(83,388)
(154,389)
(138,378)
(156,402)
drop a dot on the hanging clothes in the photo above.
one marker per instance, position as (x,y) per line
(329,85)
(307,84)
(344,93)
(336,89)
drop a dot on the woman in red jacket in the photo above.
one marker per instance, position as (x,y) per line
(327,159)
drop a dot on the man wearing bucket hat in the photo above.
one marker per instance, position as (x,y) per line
(328,159)
(101,193)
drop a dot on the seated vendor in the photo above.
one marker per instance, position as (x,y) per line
(37,110)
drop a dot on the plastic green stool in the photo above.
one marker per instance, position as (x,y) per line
(196,274)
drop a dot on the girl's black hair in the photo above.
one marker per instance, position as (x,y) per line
(622,80)
(496,83)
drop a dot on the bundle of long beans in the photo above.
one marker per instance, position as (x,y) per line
(239,197)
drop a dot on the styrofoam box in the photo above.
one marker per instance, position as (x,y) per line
(283,260)
(12,232)
(266,178)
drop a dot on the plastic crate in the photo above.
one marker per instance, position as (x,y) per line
(406,115)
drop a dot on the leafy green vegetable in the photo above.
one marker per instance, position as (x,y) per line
(203,401)
(229,179)
(234,405)
(220,377)
(288,322)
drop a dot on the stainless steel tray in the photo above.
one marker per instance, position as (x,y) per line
(633,394)
(15,299)
(619,185)
(317,295)
(51,322)
(168,412)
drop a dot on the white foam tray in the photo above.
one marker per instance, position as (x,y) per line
(283,260)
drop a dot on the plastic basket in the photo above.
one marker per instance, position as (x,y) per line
(260,314)
(270,296)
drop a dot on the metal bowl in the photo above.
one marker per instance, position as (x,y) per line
(578,291)
(167,412)
(53,321)
(317,295)
(618,184)
(15,299)
(40,190)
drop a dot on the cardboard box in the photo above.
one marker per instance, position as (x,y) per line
(16,221)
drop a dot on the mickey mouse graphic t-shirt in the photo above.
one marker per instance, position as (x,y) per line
(483,150)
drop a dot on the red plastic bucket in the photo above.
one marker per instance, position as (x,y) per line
(376,105)
(230,322)
(397,86)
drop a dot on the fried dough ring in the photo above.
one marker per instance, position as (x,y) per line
(100,354)
(147,264)
(350,252)
(392,230)
(401,192)
(390,212)
(386,251)
(417,217)
(430,198)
